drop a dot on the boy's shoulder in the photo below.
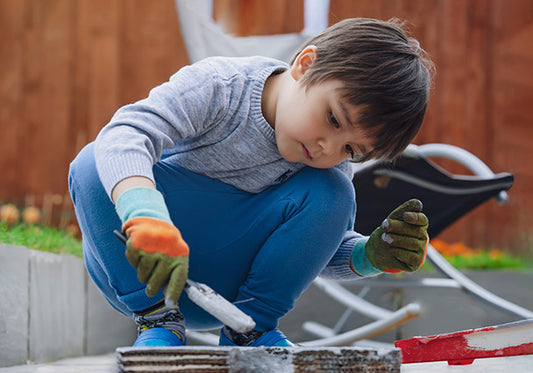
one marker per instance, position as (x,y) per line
(230,66)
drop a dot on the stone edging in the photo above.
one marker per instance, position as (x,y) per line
(50,309)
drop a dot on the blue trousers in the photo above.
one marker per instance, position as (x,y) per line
(258,250)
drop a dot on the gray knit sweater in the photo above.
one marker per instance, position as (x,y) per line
(207,118)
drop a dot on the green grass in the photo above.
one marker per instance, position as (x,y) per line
(41,238)
(485,260)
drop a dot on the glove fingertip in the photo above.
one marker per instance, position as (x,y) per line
(387,238)
(149,291)
(416,204)
(170,303)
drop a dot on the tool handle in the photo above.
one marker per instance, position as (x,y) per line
(121,236)
(210,301)
(219,307)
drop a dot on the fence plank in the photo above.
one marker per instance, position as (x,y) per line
(47,66)
(12,22)
(511,108)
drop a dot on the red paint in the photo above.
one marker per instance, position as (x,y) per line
(454,348)
(461,362)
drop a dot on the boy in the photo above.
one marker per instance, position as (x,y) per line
(236,173)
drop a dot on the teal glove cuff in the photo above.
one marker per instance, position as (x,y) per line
(360,261)
(142,201)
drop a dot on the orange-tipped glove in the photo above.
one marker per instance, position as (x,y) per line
(400,243)
(160,255)
(154,245)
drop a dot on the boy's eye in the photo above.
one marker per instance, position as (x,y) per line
(350,151)
(356,155)
(333,120)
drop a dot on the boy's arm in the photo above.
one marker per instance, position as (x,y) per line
(128,183)
(188,105)
(126,149)
(154,245)
(129,145)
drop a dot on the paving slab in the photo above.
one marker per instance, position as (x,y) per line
(443,310)
(57,306)
(88,364)
(14,272)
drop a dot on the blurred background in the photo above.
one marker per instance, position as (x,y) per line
(67,65)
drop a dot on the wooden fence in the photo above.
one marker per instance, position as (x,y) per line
(67,65)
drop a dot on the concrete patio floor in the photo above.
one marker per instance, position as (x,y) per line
(107,364)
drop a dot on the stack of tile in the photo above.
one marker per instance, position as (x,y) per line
(200,359)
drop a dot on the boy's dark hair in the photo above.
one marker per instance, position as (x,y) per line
(383,70)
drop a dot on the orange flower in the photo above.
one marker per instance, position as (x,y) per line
(454,249)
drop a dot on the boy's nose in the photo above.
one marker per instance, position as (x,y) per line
(328,147)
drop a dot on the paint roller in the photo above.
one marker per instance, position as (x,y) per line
(211,302)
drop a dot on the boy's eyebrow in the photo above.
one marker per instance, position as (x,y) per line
(345,113)
(346,116)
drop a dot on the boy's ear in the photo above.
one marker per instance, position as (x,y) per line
(302,62)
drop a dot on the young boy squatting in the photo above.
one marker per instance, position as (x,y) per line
(236,173)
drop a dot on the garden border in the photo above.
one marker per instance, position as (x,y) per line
(50,309)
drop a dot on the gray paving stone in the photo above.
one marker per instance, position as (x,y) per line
(451,310)
(90,364)
(443,310)
(57,306)
(13,305)
(107,329)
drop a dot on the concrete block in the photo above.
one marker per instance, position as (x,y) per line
(107,329)
(57,306)
(13,305)
(449,310)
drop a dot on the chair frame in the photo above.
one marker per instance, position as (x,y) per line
(453,278)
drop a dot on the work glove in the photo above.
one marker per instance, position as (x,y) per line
(400,243)
(154,245)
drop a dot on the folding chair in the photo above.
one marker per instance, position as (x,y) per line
(382,186)
(203,37)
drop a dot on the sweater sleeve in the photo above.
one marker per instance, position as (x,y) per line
(351,250)
(133,141)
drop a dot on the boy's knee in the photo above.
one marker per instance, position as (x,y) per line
(82,173)
(83,164)
(330,189)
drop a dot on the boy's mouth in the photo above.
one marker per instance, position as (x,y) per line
(306,153)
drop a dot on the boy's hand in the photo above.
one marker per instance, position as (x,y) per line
(400,243)
(159,253)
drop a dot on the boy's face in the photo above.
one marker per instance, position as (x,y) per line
(316,126)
